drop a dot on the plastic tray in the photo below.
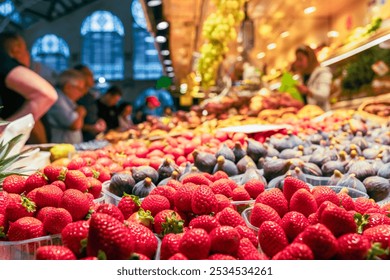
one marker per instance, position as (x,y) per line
(246,214)
(109,196)
(240,206)
(26,249)
(317,180)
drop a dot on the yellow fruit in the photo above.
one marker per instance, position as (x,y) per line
(61,151)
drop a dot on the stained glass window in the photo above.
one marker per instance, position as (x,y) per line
(102,48)
(146,63)
(51,51)
(7,9)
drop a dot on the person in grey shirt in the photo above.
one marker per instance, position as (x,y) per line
(65,118)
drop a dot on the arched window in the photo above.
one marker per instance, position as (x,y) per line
(51,51)
(146,63)
(102,48)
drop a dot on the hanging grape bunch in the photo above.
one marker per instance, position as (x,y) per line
(218,29)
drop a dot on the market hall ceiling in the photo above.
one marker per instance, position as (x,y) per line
(186,18)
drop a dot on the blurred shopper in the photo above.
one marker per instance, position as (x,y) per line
(93,125)
(151,108)
(161,93)
(22,91)
(107,107)
(316,80)
(65,118)
(125,110)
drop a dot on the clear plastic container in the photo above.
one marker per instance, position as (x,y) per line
(353,193)
(246,214)
(317,180)
(26,249)
(240,206)
(109,197)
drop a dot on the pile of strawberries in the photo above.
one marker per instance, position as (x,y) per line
(302,223)
(44,202)
(192,218)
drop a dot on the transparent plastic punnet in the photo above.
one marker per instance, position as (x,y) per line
(26,249)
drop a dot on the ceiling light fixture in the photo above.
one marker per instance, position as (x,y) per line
(271,46)
(165,52)
(284,34)
(260,55)
(333,34)
(309,10)
(161,39)
(162,25)
(171,75)
(154,3)
(167,62)
(169,69)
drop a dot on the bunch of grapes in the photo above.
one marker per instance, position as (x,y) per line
(219,29)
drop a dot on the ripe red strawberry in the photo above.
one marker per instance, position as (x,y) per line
(110,236)
(293,223)
(167,191)
(240,194)
(338,220)
(138,256)
(313,218)
(203,201)
(89,156)
(155,203)
(225,240)
(261,213)
(223,202)
(174,184)
(246,232)
(88,171)
(195,244)
(4,200)
(54,252)
(376,219)
(74,235)
(94,187)
(111,210)
(275,199)
(254,187)
(183,197)
(291,185)
(35,180)
(353,246)
(196,178)
(128,205)
(25,228)
(76,202)
(247,251)
(295,251)
(55,220)
(54,173)
(304,202)
(272,238)
(379,234)
(219,175)
(362,204)
(221,257)
(167,221)
(75,179)
(320,240)
(222,186)
(324,193)
(59,184)
(209,176)
(178,257)
(208,223)
(144,240)
(142,217)
(19,206)
(230,217)
(170,245)
(345,201)
(76,163)
(48,195)
(14,184)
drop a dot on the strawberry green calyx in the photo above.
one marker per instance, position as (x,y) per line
(28,204)
(376,252)
(134,198)
(2,233)
(89,214)
(101,255)
(145,216)
(95,174)
(172,225)
(361,221)
(62,175)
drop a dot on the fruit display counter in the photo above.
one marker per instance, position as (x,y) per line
(204,193)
